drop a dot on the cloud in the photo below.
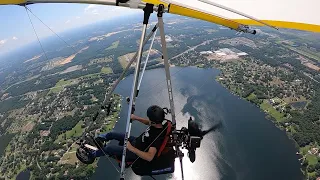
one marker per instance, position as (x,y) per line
(3,41)
(14,38)
(68,21)
(77,17)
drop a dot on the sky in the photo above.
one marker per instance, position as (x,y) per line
(16,29)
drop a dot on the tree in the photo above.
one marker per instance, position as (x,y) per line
(311,168)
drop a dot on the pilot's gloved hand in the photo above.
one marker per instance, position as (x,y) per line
(99,142)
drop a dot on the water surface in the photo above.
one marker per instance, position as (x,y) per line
(248,146)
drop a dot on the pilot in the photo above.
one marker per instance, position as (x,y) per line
(144,146)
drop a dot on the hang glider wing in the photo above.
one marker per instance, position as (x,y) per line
(293,14)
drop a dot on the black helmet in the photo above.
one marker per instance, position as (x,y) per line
(155,114)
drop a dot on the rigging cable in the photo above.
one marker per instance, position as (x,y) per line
(36,33)
(51,29)
(146,61)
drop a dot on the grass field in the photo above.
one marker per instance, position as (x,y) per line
(106,70)
(312,159)
(74,132)
(270,110)
(252,96)
(123,61)
(306,52)
(61,84)
(113,45)
(69,158)
(304,150)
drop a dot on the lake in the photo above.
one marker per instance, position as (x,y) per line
(246,147)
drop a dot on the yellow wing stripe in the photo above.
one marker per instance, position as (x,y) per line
(184,11)
(282,24)
(3,2)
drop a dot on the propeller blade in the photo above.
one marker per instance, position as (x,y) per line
(214,127)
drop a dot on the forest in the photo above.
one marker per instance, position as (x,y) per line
(64,124)
(308,122)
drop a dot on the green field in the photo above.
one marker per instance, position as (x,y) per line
(61,84)
(304,150)
(106,70)
(271,111)
(312,159)
(123,62)
(74,132)
(252,96)
(306,52)
(113,45)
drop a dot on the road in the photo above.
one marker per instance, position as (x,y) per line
(194,47)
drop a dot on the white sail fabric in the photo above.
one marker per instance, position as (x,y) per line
(295,14)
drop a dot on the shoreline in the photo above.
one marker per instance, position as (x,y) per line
(273,120)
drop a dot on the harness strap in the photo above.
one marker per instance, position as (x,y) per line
(164,143)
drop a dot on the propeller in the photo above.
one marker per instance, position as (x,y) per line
(195,137)
(213,128)
(195,130)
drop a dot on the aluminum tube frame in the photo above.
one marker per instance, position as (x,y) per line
(145,63)
(169,87)
(132,101)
